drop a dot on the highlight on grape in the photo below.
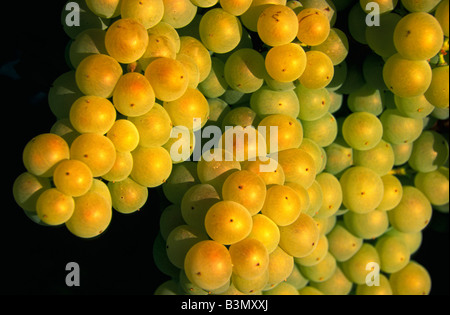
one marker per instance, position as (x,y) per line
(300,146)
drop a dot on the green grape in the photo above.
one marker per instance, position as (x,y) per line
(183,177)
(332,195)
(437,94)
(196,202)
(440,113)
(441,15)
(124,135)
(418,27)
(96,151)
(414,279)
(92,114)
(288,129)
(240,116)
(413,213)
(121,169)
(250,17)
(357,23)
(91,217)
(336,46)
(152,166)
(236,7)
(54,207)
(205,3)
(73,178)
(322,271)
(154,128)
(434,185)
(319,70)
(430,151)
(385,6)
(214,85)
(414,107)
(220,31)
(133,95)
(42,154)
(247,189)
(218,110)
(398,129)
(298,166)
(284,288)
(180,240)
(274,177)
(300,238)
(105,8)
(313,26)
(179,13)
(366,99)
(63,93)
(27,188)
(402,152)
(87,43)
(367,225)
(170,219)
(250,259)
(208,265)
(316,152)
(325,225)
(323,131)
(315,194)
(362,131)
(277,25)
(339,158)
(393,192)
(420,6)
(191,110)
(337,284)
(394,253)
(127,195)
(159,46)
(412,240)
(327,7)
(250,287)
(148,12)
(228,222)
(168,31)
(342,244)
(297,279)
(265,231)
(169,287)
(308,290)
(383,289)
(244,70)
(317,255)
(168,77)
(281,265)
(266,102)
(89,18)
(286,63)
(187,287)
(380,159)
(355,268)
(337,100)
(314,104)
(282,205)
(197,51)
(407,78)
(98,75)
(380,38)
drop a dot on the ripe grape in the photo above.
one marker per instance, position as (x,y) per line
(277,25)
(121,169)
(214,85)
(337,284)
(250,259)
(380,159)
(284,288)
(265,231)
(414,107)
(148,12)
(367,225)
(434,185)
(27,188)
(323,131)
(317,255)
(342,244)
(394,253)
(319,70)
(414,279)
(179,13)
(315,198)
(286,63)
(236,7)
(266,102)
(282,205)
(124,135)
(281,265)
(441,15)
(438,94)
(88,42)
(355,268)
(322,271)
(393,192)
(314,103)
(197,51)
(73,178)
(105,8)
(313,26)
(317,153)
(152,166)
(367,99)
(339,158)
(92,114)
(289,131)
(336,46)
(54,207)
(429,152)
(399,129)
(127,195)
(383,289)
(362,130)
(332,195)
(158,46)
(63,93)
(298,166)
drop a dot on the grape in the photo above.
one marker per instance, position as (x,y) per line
(413,213)
(92,114)
(133,95)
(63,93)
(127,195)
(244,70)
(355,268)
(251,287)
(319,70)
(181,145)
(313,27)
(218,110)
(121,169)
(317,255)
(314,103)
(99,187)
(342,244)
(437,94)
(420,6)
(214,85)
(250,258)
(300,238)
(246,188)
(434,185)
(87,43)
(282,205)
(336,46)
(265,231)
(283,288)
(407,78)
(380,38)
(315,197)
(250,17)
(441,15)
(412,240)
(277,25)
(297,279)
(393,192)
(42,154)
(366,99)
(73,178)
(281,265)
(158,46)
(149,13)
(54,207)
(105,8)
(196,50)
(27,188)
(154,128)
(394,253)
(220,31)
(180,241)
(385,6)
(152,166)
(97,75)
(316,152)
(339,158)
(337,284)
(298,166)
(308,290)
(380,159)
(236,7)
(322,271)
(414,279)
(367,225)
(179,13)
(430,151)
(383,289)
(228,222)
(414,28)
(286,63)
(398,129)
(170,287)
(332,195)
(274,177)
(208,265)
(402,152)
(362,130)
(170,219)
(289,131)
(323,131)
(91,217)
(168,77)
(414,107)
(266,102)
(65,130)
(168,31)
(124,135)
(191,110)
(189,288)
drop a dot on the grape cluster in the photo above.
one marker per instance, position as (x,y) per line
(344,184)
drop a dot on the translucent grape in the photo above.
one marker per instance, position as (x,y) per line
(441,15)
(414,107)
(383,289)
(394,253)
(196,50)
(337,284)
(355,268)
(105,8)
(281,265)
(205,3)
(27,188)
(127,195)
(149,13)
(183,177)
(366,99)
(402,152)
(276,177)
(168,31)
(429,152)
(54,207)
(124,135)
(73,178)
(282,205)
(339,158)
(250,17)
(92,114)
(393,192)
(434,185)
(158,46)
(265,231)
(286,63)
(283,288)
(88,42)
(63,93)
(121,169)
(316,152)
(332,195)
(322,271)
(362,130)
(367,225)
(152,166)
(266,102)
(315,198)
(319,70)
(179,13)
(412,240)
(342,244)
(379,159)
(277,25)
(398,129)
(236,7)
(298,166)
(317,255)
(250,258)
(336,46)
(438,94)
(308,290)
(414,279)
(323,131)
(215,84)
(314,103)
(313,26)
(99,187)
(289,129)
(218,110)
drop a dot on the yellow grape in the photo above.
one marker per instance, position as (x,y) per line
(277,25)
(265,231)
(197,51)
(332,195)
(250,17)
(152,166)
(355,268)
(27,188)
(250,287)
(121,169)
(301,191)
(236,7)
(442,14)
(147,12)
(336,46)
(181,145)
(183,177)
(281,265)
(127,195)
(319,70)
(63,93)
(42,154)
(383,289)
(88,42)
(267,101)
(317,255)
(393,192)
(92,114)
(322,271)
(54,207)
(313,27)
(414,279)
(250,258)
(438,92)
(317,153)
(179,13)
(124,135)
(191,69)
(240,116)
(282,205)
(98,75)
(73,178)
(290,132)
(337,284)
(367,225)
(362,130)
(99,187)
(167,30)
(286,63)
(394,253)
(275,177)
(342,244)
(284,288)
(105,8)
(158,46)
(298,166)
(215,84)
(315,194)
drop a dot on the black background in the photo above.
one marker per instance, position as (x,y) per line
(32,257)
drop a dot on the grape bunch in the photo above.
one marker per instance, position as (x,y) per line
(289,166)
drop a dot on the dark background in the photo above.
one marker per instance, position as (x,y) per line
(32,257)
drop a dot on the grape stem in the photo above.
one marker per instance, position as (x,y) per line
(443,53)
